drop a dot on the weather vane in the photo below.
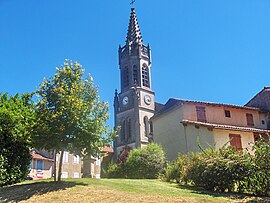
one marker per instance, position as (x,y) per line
(132,3)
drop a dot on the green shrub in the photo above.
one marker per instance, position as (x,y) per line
(260,178)
(115,171)
(174,170)
(223,170)
(16,121)
(147,162)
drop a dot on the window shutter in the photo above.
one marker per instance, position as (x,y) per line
(235,141)
(250,121)
(201,117)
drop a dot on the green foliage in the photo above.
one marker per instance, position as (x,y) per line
(260,178)
(105,164)
(225,169)
(115,171)
(147,162)
(174,170)
(70,115)
(16,125)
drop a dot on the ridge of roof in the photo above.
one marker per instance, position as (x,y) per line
(175,102)
(219,104)
(36,155)
(265,88)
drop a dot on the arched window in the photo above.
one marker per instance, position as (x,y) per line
(145,76)
(125,77)
(123,131)
(146,126)
(129,131)
(151,128)
(135,75)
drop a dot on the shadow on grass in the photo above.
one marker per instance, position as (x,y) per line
(22,192)
(247,198)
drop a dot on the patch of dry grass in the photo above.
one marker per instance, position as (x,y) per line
(109,190)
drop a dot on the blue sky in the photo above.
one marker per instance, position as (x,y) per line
(207,50)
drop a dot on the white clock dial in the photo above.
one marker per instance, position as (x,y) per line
(147,99)
(125,100)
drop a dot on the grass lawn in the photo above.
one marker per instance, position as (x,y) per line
(111,190)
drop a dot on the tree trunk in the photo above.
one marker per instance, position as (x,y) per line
(60,166)
(54,166)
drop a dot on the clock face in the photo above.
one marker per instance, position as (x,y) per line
(125,100)
(147,99)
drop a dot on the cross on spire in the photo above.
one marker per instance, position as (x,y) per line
(132,3)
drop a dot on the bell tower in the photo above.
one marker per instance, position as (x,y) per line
(134,105)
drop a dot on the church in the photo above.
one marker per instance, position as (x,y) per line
(178,125)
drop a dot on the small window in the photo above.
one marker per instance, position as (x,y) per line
(135,75)
(76,159)
(125,75)
(123,129)
(250,121)
(146,126)
(76,175)
(151,128)
(145,76)
(201,116)
(39,165)
(263,122)
(129,128)
(97,161)
(65,157)
(64,174)
(227,114)
(235,141)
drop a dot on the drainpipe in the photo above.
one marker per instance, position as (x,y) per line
(185,130)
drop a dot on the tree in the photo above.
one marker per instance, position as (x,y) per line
(16,124)
(70,115)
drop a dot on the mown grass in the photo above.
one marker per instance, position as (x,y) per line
(111,190)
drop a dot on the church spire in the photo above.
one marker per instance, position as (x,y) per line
(134,34)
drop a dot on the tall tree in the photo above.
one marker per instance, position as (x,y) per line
(70,115)
(17,119)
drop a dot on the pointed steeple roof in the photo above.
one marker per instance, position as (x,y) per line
(134,34)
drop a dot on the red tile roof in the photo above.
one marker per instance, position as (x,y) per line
(107,149)
(39,156)
(220,104)
(173,103)
(226,127)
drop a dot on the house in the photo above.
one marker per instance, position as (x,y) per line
(183,125)
(71,165)
(41,165)
(92,166)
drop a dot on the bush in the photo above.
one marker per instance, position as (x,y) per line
(174,170)
(115,171)
(260,178)
(16,121)
(147,162)
(223,170)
